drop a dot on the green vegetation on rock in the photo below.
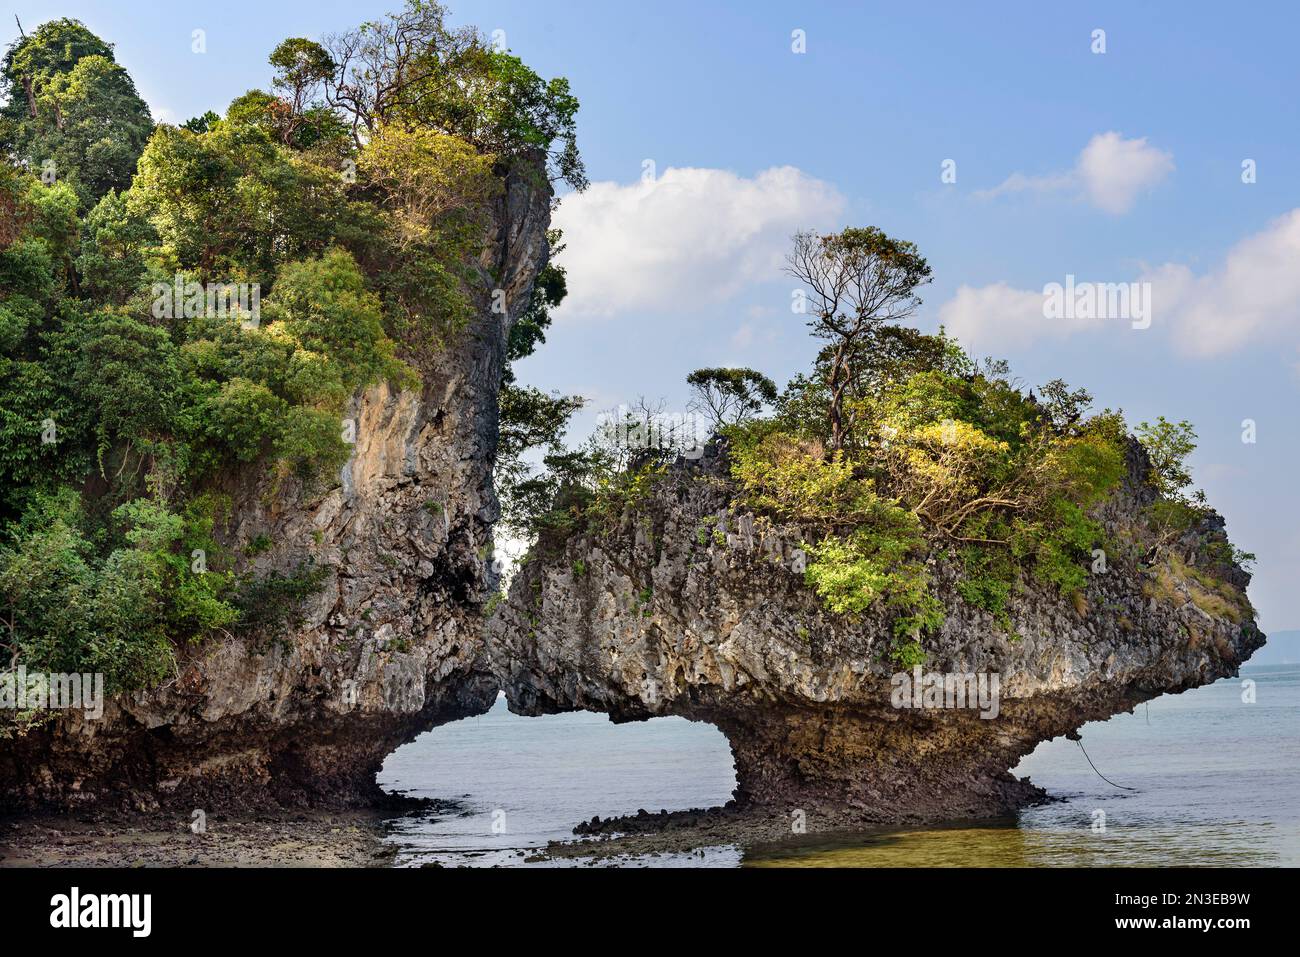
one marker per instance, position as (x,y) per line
(899,451)
(180,304)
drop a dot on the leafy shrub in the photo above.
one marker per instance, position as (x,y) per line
(69,606)
(935,453)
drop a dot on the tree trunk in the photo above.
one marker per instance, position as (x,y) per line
(837,418)
(839,380)
(31,97)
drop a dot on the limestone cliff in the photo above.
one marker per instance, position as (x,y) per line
(390,644)
(691,608)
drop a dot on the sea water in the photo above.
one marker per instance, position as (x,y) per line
(1215,781)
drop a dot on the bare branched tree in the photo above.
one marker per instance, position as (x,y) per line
(856,280)
(392,66)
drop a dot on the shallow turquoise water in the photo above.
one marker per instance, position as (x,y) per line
(1218,783)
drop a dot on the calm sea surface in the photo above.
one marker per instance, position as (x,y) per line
(1217,783)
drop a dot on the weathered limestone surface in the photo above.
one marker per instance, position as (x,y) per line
(389,647)
(666,617)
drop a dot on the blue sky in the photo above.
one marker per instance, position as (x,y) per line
(1114,167)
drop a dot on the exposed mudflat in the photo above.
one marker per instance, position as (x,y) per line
(345,839)
(680,832)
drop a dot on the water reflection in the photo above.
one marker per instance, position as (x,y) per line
(1022,844)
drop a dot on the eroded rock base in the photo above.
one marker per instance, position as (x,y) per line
(233,768)
(888,768)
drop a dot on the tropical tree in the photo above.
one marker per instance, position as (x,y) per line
(1168,444)
(730,396)
(72,112)
(412,68)
(1064,408)
(855,281)
(301,65)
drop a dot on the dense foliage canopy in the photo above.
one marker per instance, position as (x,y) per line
(181,303)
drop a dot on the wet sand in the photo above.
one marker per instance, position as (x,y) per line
(308,839)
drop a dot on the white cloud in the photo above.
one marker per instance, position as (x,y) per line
(985,319)
(1252,297)
(1115,170)
(692,236)
(1020,183)
(1111,172)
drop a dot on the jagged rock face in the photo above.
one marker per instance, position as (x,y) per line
(389,647)
(664,616)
